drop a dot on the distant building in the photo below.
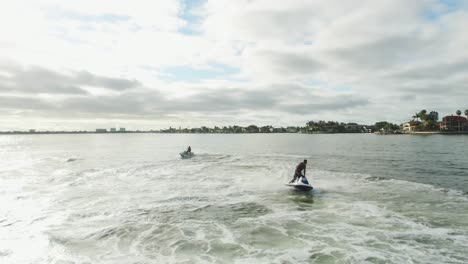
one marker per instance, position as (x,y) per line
(101,130)
(113,129)
(366,130)
(410,126)
(122,129)
(454,123)
(32,130)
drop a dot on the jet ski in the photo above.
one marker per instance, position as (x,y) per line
(301,184)
(186,155)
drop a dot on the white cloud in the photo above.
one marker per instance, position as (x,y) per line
(386,54)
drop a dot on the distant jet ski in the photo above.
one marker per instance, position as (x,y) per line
(186,155)
(301,184)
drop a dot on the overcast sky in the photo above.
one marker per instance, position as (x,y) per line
(145,64)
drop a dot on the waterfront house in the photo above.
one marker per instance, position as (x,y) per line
(410,126)
(454,123)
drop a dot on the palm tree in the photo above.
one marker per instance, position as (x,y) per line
(459,114)
(422,115)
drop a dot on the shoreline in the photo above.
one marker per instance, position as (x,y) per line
(158,132)
(437,133)
(217,133)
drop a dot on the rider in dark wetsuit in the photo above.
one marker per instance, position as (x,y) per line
(298,172)
(189,149)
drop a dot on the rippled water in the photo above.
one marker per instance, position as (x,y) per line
(129,198)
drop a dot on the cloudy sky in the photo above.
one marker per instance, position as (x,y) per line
(145,64)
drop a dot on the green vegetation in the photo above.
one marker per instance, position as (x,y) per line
(310,128)
(334,127)
(386,126)
(424,117)
(425,122)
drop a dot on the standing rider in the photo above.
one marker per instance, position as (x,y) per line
(189,149)
(298,173)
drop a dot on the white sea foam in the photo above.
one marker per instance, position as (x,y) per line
(216,208)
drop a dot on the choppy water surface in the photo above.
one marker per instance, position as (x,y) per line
(129,198)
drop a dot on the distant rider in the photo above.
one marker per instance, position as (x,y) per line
(189,149)
(298,173)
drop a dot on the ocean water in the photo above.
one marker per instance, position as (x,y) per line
(130,198)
